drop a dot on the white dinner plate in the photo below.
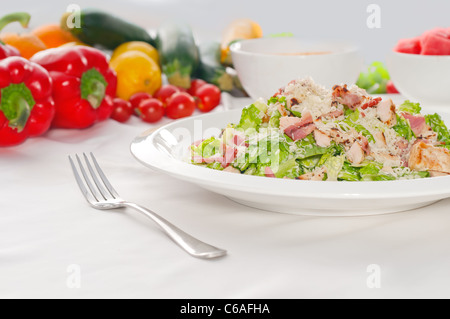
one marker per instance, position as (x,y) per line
(165,149)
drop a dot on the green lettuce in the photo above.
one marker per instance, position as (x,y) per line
(307,147)
(274,121)
(334,166)
(290,169)
(403,128)
(207,148)
(374,79)
(371,172)
(282,100)
(410,107)
(349,173)
(351,117)
(251,118)
(437,124)
(310,163)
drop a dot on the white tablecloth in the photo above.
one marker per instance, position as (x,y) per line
(53,245)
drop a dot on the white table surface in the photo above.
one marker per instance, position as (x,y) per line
(47,229)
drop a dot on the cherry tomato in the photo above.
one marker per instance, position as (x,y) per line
(180,105)
(151,111)
(166,92)
(137,98)
(195,85)
(122,110)
(209,97)
(390,88)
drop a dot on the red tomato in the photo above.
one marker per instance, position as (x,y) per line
(195,85)
(151,111)
(166,92)
(122,110)
(137,98)
(180,105)
(209,97)
(390,88)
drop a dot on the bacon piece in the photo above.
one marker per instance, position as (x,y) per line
(342,95)
(238,140)
(306,118)
(364,143)
(287,121)
(299,128)
(371,103)
(333,114)
(225,159)
(298,133)
(268,172)
(417,123)
(229,156)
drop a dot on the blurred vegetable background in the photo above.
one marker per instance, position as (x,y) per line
(170,71)
(108,67)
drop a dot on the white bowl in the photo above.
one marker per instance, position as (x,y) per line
(421,78)
(264,65)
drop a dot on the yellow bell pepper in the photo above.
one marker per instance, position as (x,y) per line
(136,73)
(143,47)
(241,29)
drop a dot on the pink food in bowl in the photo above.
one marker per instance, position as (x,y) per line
(433,42)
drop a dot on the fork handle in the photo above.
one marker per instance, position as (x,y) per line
(191,245)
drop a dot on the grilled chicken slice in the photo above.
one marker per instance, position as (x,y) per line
(355,154)
(424,156)
(322,139)
(386,112)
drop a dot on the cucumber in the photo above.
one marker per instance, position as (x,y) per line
(101,29)
(210,68)
(178,53)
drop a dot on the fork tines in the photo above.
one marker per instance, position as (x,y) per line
(102,190)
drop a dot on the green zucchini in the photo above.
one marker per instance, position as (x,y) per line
(210,69)
(178,53)
(101,29)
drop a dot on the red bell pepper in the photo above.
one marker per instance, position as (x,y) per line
(24,19)
(26,104)
(84,85)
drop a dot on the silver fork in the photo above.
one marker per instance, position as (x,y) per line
(103,196)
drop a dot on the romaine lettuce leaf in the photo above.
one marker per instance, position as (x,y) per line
(274,121)
(282,100)
(370,171)
(437,124)
(307,147)
(216,166)
(334,166)
(207,148)
(351,117)
(349,173)
(251,118)
(410,107)
(309,163)
(403,128)
(290,169)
